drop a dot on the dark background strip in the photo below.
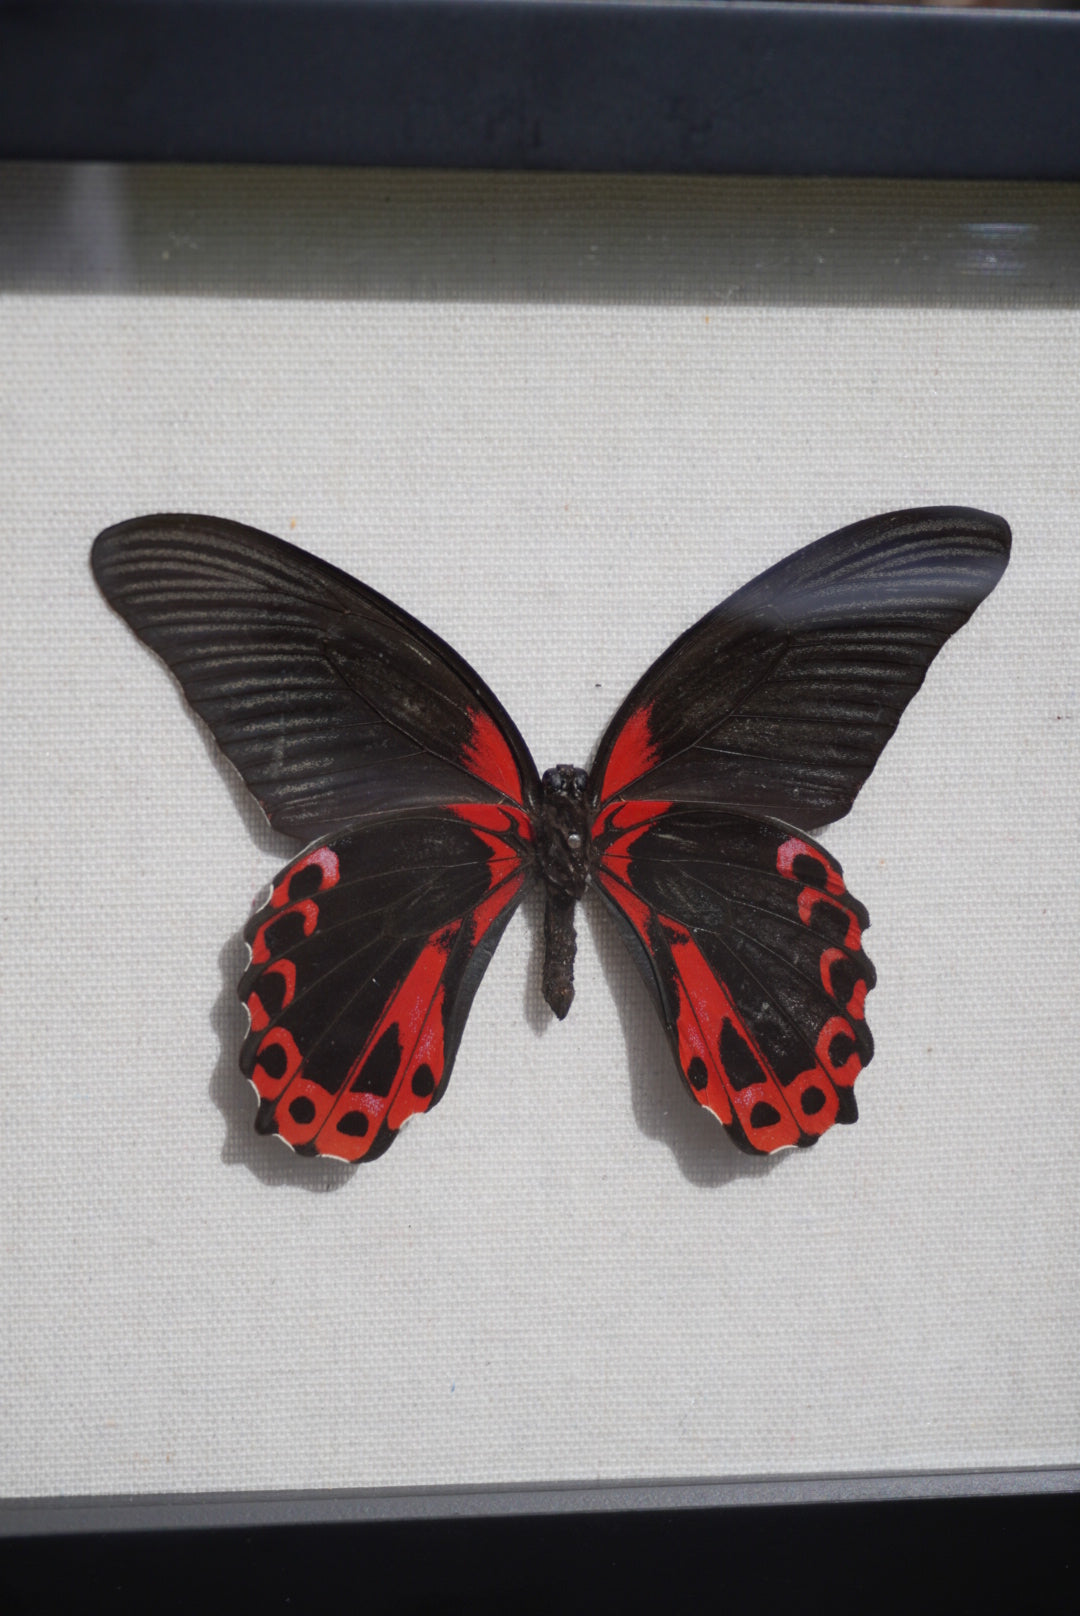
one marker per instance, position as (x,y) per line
(963,1555)
(541,84)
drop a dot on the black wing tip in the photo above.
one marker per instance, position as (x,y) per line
(958,551)
(967,522)
(103,553)
(107,550)
(111,538)
(970,517)
(971,523)
(203,525)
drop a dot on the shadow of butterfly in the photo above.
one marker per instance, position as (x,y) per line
(423,817)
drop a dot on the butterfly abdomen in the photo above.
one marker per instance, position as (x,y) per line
(563,848)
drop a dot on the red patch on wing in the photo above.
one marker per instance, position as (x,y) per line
(795,848)
(256,1009)
(632,755)
(810,894)
(322,859)
(845,1067)
(262,944)
(856,1003)
(498,820)
(624,822)
(493,905)
(636,910)
(278,1048)
(808,899)
(492,823)
(631,819)
(487,755)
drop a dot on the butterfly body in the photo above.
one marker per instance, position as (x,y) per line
(564,855)
(368,739)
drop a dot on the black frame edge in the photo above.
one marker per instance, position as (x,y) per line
(705,87)
(32,1517)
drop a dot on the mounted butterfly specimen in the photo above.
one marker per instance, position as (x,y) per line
(424,818)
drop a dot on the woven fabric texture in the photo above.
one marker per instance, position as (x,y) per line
(565,1272)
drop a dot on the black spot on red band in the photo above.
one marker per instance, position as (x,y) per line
(272,993)
(764,1115)
(423,1081)
(305,882)
(283,932)
(354,1124)
(829,921)
(844,973)
(274,1062)
(810,871)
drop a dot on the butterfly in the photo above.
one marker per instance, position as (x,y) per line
(424,818)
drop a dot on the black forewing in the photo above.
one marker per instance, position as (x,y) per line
(781,699)
(330,701)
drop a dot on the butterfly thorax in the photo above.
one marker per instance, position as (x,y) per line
(563,831)
(562,850)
